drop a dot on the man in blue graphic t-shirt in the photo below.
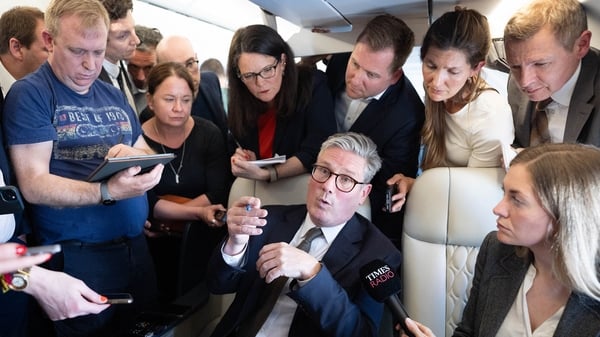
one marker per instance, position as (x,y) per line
(60,123)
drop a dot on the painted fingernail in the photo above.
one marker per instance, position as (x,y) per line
(21,250)
(103,299)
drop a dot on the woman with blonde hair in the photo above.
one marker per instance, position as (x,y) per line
(538,275)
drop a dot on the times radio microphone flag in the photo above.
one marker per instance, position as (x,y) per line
(382,283)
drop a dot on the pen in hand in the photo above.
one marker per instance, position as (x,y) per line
(234,139)
(238,145)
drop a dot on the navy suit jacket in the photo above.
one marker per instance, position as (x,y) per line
(499,273)
(394,123)
(104,76)
(334,302)
(209,102)
(583,118)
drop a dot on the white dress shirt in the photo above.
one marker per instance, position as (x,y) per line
(279,321)
(517,324)
(558,109)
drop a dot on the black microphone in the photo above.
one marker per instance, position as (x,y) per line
(382,283)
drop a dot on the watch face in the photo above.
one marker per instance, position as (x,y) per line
(18,282)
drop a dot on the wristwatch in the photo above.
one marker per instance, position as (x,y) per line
(20,279)
(106,198)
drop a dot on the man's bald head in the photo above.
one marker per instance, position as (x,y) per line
(176,48)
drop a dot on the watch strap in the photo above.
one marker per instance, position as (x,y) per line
(105,196)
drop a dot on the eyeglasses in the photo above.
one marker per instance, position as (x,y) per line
(266,73)
(343,182)
(191,64)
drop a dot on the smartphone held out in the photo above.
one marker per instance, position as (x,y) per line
(119,298)
(43,250)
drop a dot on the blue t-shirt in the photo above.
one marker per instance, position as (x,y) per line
(40,108)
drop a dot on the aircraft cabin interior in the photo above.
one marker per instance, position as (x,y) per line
(449,211)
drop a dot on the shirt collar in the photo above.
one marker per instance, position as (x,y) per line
(6,79)
(111,68)
(330,233)
(563,95)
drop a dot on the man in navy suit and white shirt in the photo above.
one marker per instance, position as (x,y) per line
(323,295)
(373,96)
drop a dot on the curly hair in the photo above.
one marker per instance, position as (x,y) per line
(117,9)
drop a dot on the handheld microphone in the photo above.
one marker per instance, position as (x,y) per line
(382,283)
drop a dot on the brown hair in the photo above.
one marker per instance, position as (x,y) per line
(296,85)
(566,19)
(387,31)
(117,9)
(162,71)
(468,31)
(19,22)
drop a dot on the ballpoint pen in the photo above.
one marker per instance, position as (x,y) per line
(234,139)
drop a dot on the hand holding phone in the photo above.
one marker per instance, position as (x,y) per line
(43,249)
(118,298)
(221,216)
(389,192)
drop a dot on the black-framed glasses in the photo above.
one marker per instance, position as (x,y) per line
(343,182)
(191,64)
(266,73)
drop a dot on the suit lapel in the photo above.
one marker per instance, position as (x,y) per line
(104,76)
(374,113)
(579,308)
(507,281)
(284,230)
(345,246)
(581,105)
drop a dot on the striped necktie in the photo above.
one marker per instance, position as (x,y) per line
(251,326)
(539,124)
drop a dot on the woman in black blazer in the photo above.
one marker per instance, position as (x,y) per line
(275,106)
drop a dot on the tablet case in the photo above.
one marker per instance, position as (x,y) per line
(113,165)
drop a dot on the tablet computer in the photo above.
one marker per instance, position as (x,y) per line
(111,166)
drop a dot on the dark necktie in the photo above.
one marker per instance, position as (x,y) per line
(123,84)
(250,327)
(539,124)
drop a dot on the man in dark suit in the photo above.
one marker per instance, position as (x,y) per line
(374,97)
(120,46)
(321,290)
(548,51)
(208,103)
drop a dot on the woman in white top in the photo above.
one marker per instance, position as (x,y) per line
(466,121)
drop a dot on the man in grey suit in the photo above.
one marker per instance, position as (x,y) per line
(548,50)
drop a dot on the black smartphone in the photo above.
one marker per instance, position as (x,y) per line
(10,200)
(119,298)
(221,216)
(389,192)
(43,249)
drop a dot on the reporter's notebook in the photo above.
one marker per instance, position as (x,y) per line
(111,166)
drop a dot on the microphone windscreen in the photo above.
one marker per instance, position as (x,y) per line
(380,280)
